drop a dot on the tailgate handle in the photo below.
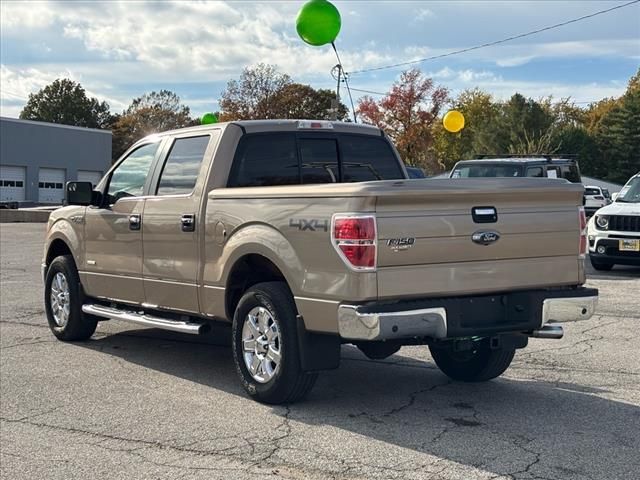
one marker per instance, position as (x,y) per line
(484,214)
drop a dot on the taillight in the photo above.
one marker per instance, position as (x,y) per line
(583,232)
(354,237)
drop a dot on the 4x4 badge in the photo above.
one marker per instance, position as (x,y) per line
(485,238)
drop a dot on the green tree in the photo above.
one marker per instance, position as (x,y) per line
(151,113)
(480,114)
(66,102)
(254,95)
(576,140)
(618,135)
(523,127)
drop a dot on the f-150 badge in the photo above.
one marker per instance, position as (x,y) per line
(398,244)
(485,238)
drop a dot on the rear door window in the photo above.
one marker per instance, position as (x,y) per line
(368,158)
(535,172)
(181,169)
(552,172)
(262,160)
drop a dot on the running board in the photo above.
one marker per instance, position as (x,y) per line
(146,320)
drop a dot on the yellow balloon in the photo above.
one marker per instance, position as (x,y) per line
(453,121)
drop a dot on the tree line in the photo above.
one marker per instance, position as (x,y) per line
(605,135)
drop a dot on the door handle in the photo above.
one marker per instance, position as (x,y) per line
(135,220)
(188,222)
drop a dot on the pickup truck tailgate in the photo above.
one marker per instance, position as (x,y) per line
(425,230)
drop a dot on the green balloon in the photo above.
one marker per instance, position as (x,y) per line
(318,22)
(209,118)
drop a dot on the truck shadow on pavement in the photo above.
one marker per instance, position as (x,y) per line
(535,427)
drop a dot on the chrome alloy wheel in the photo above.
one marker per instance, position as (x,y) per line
(59,299)
(261,344)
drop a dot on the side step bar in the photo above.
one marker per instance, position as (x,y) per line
(146,320)
(548,331)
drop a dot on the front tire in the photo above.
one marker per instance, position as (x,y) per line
(265,345)
(601,266)
(63,300)
(476,365)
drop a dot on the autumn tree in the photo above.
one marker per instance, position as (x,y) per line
(151,113)
(254,95)
(66,102)
(407,114)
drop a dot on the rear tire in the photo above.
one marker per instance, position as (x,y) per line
(265,345)
(601,266)
(476,365)
(63,299)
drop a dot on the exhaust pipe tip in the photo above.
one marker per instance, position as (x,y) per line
(548,331)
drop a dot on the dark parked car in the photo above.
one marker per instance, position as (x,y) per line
(415,172)
(519,166)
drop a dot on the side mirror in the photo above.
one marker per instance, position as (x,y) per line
(79,193)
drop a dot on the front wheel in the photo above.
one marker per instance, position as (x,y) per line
(601,266)
(476,365)
(265,345)
(63,302)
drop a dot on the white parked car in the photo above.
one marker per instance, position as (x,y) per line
(614,231)
(594,199)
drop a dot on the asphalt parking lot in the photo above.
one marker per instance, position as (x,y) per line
(144,404)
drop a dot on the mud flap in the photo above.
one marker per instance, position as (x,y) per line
(318,351)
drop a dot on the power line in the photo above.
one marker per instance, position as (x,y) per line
(495,102)
(496,42)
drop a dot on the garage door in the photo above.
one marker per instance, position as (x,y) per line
(12,183)
(89,176)
(51,185)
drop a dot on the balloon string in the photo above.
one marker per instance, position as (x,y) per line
(346,82)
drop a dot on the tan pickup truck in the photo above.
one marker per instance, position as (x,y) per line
(306,235)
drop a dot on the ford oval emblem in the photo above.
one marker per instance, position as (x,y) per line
(485,238)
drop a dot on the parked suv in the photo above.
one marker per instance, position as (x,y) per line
(594,198)
(614,231)
(539,166)
(305,235)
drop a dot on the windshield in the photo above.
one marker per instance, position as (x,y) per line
(487,170)
(631,192)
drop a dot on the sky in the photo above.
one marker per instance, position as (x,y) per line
(118,50)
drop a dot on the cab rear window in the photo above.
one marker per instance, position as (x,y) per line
(293,159)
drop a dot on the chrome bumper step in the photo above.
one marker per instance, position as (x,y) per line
(145,319)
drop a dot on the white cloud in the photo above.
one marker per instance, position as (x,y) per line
(125,48)
(422,14)
(18,83)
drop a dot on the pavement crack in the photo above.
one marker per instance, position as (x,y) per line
(412,398)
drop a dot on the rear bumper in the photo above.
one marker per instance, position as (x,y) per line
(465,316)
